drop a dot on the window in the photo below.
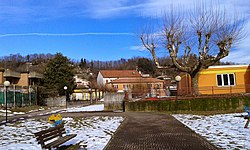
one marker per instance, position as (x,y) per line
(225,80)
(115,86)
(125,86)
(149,86)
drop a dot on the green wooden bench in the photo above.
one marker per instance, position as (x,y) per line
(53,137)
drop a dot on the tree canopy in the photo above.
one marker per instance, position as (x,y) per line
(194,39)
(59,73)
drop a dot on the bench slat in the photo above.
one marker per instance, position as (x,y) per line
(59,141)
(51,134)
(48,130)
(45,139)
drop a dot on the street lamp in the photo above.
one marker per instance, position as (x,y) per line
(65,89)
(90,92)
(6,84)
(177,79)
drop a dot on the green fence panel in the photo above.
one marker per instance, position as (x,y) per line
(26,99)
(33,98)
(18,99)
(10,97)
(1,97)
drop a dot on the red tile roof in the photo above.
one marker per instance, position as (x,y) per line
(137,80)
(120,73)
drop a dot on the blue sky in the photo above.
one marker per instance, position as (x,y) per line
(91,29)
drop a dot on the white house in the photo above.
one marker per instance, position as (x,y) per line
(106,76)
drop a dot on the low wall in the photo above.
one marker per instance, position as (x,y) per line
(113,101)
(56,101)
(199,104)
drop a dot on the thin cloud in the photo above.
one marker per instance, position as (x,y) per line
(67,34)
(24,10)
(138,48)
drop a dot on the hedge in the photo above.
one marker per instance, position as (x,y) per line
(195,104)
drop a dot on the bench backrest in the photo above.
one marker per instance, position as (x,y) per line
(49,134)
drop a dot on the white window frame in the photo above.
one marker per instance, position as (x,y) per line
(222,80)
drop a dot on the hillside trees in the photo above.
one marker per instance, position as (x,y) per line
(194,40)
(59,73)
(146,66)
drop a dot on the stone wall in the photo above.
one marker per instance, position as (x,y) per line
(56,101)
(114,101)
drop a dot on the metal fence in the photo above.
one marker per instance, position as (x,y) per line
(215,90)
(18,96)
(187,91)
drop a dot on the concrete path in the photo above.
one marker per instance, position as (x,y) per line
(151,131)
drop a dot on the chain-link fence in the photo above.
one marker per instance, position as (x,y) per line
(18,96)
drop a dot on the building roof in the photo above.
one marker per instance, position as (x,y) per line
(229,66)
(10,73)
(136,80)
(120,73)
(34,74)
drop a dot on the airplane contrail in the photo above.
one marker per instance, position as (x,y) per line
(66,34)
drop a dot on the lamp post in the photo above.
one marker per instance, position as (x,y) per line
(90,93)
(177,79)
(6,84)
(65,89)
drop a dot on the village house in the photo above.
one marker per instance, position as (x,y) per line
(106,76)
(131,81)
(20,79)
(224,79)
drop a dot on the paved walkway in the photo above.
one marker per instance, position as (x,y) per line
(151,131)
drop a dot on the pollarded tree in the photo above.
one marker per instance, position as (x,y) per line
(59,73)
(194,40)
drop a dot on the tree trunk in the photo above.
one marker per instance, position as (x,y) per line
(194,84)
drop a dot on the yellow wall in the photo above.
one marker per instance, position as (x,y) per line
(207,80)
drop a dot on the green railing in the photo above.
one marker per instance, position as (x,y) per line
(16,98)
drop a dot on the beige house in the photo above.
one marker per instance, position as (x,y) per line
(20,79)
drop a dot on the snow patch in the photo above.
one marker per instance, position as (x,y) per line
(226,131)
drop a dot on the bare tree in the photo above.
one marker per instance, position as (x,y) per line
(195,40)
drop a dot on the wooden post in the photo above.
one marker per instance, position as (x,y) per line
(246,125)
(14,95)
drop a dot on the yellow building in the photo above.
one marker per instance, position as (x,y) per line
(226,79)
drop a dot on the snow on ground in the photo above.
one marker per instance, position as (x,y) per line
(99,107)
(95,132)
(225,131)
